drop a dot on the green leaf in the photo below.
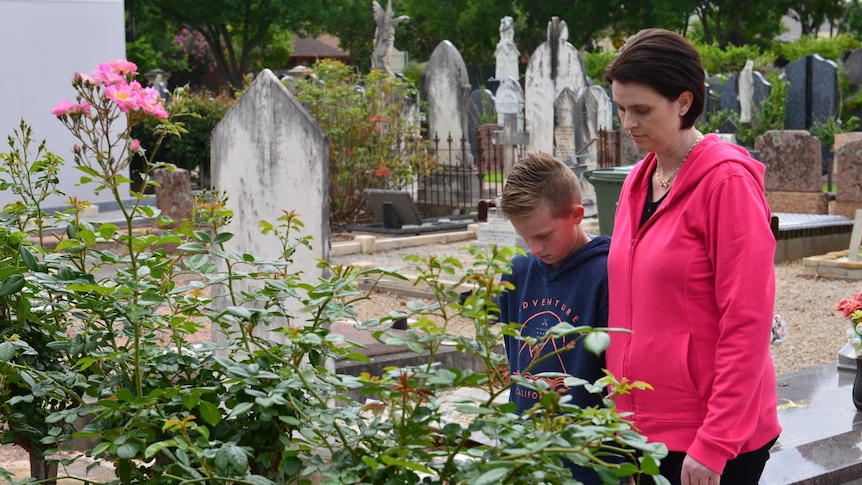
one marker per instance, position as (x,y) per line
(127,451)
(597,342)
(7,351)
(12,285)
(222,237)
(27,258)
(190,400)
(491,477)
(192,247)
(241,409)
(210,413)
(231,458)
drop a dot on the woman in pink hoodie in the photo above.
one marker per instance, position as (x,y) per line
(691,275)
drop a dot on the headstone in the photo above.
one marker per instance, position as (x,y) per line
(507,53)
(509,98)
(596,115)
(554,65)
(568,125)
(848,177)
(498,231)
(812,92)
(174,194)
(448,88)
(853,66)
(269,156)
(793,180)
(792,159)
(480,110)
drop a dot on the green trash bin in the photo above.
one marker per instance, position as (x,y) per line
(608,183)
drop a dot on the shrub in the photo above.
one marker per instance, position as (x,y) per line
(191,150)
(374,134)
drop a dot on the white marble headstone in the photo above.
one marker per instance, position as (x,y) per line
(545,79)
(448,88)
(270,156)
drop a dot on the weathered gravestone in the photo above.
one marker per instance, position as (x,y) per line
(554,65)
(174,194)
(569,130)
(448,88)
(507,53)
(793,180)
(510,109)
(848,178)
(269,156)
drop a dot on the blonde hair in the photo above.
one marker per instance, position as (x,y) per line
(539,179)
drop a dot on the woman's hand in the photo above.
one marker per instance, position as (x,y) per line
(695,473)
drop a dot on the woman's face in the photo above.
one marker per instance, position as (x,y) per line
(652,122)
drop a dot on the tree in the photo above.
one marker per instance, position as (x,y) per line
(245,35)
(738,22)
(811,14)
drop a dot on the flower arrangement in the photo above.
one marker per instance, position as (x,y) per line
(852,310)
(779,330)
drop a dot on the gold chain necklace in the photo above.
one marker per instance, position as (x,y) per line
(666,183)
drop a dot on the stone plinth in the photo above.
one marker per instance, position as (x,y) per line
(833,265)
(848,172)
(798,202)
(174,194)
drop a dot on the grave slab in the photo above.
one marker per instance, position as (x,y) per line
(821,441)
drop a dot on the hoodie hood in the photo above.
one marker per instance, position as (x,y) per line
(598,247)
(703,159)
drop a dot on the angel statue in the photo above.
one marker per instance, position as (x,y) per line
(384,36)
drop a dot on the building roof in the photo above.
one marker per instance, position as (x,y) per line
(305,48)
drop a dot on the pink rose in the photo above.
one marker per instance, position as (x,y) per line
(63,108)
(84,108)
(123,66)
(151,103)
(125,95)
(106,75)
(135,146)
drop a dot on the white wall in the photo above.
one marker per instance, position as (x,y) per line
(42,44)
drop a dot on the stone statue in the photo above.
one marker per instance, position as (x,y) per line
(384,36)
(507,30)
(746,91)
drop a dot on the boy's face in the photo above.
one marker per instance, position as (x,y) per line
(551,239)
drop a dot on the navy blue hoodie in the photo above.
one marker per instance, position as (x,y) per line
(576,293)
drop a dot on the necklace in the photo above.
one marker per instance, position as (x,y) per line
(666,183)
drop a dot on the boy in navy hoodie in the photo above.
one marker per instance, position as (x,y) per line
(563,278)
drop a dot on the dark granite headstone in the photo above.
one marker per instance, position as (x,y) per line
(812,93)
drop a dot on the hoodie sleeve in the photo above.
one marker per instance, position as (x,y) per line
(741,246)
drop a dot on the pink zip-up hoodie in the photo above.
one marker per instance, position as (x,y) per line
(696,287)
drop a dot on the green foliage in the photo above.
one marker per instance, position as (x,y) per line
(596,63)
(89,331)
(833,48)
(717,60)
(191,150)
(374,138)
(826,131)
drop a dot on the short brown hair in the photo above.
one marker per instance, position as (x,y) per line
(666,62)
(539,179)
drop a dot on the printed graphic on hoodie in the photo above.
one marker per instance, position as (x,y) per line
(548,313)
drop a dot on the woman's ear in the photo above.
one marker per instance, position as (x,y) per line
(683,102)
